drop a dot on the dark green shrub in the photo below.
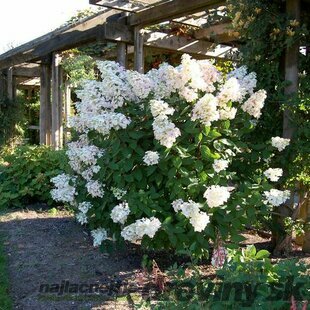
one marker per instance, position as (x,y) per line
(25,173)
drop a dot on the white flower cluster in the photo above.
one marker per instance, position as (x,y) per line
(247,82)
(144,226)
(197,76)
(103,122)
(164,130)
(82,218)
(230,91)
(151,158)
(99,235)
(100,99)
(280,143)
(140,84)
(120,213)
(83,157)
(273,174)
(276,197)
(220,164)
(83,207)
(205,110)
(216,195)
(255,103)
(166,80)
(63,191)
(191,210)
(160,107)
(95,188)
(227,113)
(118,193)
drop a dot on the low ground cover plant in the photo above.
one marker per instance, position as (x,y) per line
(247,280)
(160,157)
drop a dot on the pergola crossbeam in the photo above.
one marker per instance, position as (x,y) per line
(170,10)
(27,71)
(88,31)
(218,33)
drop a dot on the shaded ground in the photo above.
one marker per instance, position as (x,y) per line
(49,249)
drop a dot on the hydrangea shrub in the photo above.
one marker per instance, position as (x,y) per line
(159,154)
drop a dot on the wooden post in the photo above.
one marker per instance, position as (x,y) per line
(122,54)
(45,103)
(291,68)
(67,110)
(283,240)
(11,91)
(57,102)
(306,209)
(29,93)
(138,48)
(2,85)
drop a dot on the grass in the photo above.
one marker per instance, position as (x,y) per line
(5,299)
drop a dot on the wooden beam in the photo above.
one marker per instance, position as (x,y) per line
(27,71)
(45,103)
(220,33)
(138,50)
(121,5)
(177,43)
(169,10)
(64,38)
(57,102)
(116,32)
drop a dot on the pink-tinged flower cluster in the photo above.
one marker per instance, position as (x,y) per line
(219,257)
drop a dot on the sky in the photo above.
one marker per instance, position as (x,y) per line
(24,20)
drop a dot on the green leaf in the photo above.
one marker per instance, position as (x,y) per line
(207,154)
(138,175)
(172,172)
(250,251)
(213,134)
(177,162)
(262,254)
(206,130)
(128,165)
(198,165)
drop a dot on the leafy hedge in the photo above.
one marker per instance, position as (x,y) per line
(25,173)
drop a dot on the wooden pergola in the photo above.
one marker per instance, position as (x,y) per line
(123,22)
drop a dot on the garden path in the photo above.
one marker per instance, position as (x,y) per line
(47,248)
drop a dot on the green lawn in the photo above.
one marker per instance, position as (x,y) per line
(5,299)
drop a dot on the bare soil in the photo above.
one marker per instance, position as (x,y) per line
(46,248)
